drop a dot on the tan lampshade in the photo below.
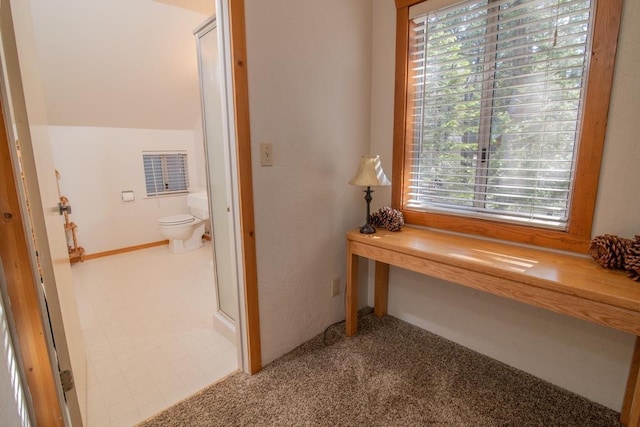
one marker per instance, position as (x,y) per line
(370,173)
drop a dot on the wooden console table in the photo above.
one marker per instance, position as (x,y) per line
(567,284)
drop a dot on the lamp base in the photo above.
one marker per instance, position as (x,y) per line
(367,229)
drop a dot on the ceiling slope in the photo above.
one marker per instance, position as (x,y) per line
(118,63)
(206,7)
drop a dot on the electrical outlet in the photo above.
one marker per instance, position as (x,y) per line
(335,287)
(266,154)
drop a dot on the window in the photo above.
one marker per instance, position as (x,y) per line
(497,103)
(165,173)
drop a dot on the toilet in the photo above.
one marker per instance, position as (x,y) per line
(185,231)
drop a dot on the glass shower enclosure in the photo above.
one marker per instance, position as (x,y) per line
(218,163)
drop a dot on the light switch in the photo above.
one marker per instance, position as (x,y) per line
(266,154)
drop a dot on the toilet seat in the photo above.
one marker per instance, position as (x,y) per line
(176,219)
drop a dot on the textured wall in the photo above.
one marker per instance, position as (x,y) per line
(587,359)
(309,92)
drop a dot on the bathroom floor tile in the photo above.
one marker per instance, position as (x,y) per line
(99,419)
(152,408)
(147,320)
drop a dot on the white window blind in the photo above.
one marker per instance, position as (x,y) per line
(496,90)
(165,172)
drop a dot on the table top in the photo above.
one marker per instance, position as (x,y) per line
(571,274)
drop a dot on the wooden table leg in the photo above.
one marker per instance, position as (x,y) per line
(630,415)
(352,292)
(381,296)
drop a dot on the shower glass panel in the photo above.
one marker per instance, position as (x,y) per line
(216,148)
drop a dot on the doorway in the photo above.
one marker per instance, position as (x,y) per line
(151,319)
(244,216)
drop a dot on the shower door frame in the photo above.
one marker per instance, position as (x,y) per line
(230,24)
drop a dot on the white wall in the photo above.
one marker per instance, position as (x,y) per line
(309,92)
(118,63)
(97,164)
(587,359)
(112,86)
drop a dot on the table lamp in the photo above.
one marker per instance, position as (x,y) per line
(369,174)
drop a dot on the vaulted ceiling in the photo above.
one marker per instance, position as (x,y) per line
(119,63)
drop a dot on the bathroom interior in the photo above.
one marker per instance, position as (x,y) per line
(158,322)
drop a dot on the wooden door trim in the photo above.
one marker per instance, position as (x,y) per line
(245,181)
(22,290)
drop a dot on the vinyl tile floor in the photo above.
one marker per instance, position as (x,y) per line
(147,323)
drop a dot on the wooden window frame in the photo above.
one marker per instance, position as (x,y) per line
(592,135)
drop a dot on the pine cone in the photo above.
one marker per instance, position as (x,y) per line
(386,213)
(609,250)
(388,218)
(632,259)
(396,221)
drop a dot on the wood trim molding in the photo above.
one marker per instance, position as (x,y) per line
(594,119)
(407,3)
(245,179)
(400,107)
(124,250)
(22,290)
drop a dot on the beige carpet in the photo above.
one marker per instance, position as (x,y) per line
(390,374)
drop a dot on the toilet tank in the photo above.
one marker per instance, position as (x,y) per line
(198,204)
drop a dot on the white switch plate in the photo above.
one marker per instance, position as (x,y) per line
(266,154)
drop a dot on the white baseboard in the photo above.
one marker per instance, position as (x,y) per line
(226,327)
